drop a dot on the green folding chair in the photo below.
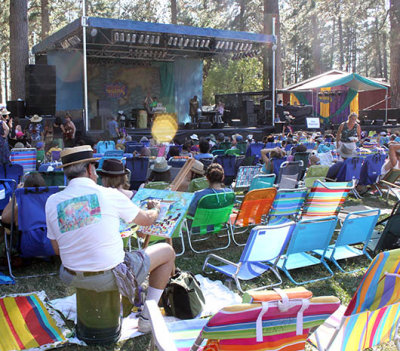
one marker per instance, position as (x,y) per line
(313,173)
(198,184)
(157,185)
(211,216)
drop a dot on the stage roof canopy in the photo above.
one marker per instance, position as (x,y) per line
(132,40)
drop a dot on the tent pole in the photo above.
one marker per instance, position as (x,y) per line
(85,90)
(386,107)
(273,72)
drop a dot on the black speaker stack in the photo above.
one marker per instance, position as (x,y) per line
(40,89)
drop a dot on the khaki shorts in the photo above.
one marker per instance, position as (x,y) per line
(139,260)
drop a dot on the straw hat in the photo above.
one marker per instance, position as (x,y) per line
(78,154)
(347,150)
(112,168)
(36,119)
(160,165)
(4,111)
(197,167)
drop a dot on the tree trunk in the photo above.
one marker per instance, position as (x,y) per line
(395,52)
(354,49)
(316,44)
(378,50)
(271,10)
(44,7)
(385,58)
(242,22)
(341,53)
(19,48)
(332,44)
(174,12)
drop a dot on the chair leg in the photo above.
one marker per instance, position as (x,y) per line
(308,281)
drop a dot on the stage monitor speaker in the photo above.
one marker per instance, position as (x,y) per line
(17,108)
(268,105)
(205,125)
(252,120)
(248,106)
(40,89)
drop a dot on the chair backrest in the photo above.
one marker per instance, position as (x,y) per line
(228,163)
(371,169)
(138,167)
(103,146)
(262,181)
(118,154)
(289,174)
(288,202)
(34,241)
(40,154)
(174,172)
(315,172)
(153,151)
(54,178)
(2,171)
(56,155)
(7,188)
(24,157)
(132,146)
(276,164)
(245,175)
(232,152)
(312,234)
(14,171)
(242,147)
(392,176)
(326,199)
(350,169)
(218,152)
(213,210)
(302,156)
(357,227)
(255,205)
(372,316)
(225,145)
(206,161)
(275,238)
(161,150)
(157,185)
(255,150)
(272,145)
(177,161)
(198,184)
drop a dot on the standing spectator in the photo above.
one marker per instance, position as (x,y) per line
(48,133)
(193,107)
(112,128)
(69,131)
(4,130)
(35,130)
(348,133)
(58,132)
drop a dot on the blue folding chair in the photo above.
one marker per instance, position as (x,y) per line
(351,169)
(287,205)
(371,169)
(138,167)
(276,164)
(33,241)
(309,235)
(255,150)
(177,162)
(273,145)
(228,163)
(103,146)
(7,188)
(264,244)
(118,154)
(262,181)
(289,174)
(357,228)
(14,171)
(132,146)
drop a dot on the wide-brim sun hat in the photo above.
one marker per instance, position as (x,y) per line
(36,119)
(197,167)
(347,151)
(194,137)
(78,154)
(4,111)
(112,167)
(160,165)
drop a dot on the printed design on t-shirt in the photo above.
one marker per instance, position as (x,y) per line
(78,212)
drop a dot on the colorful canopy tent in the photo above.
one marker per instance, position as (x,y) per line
(326,85)
(123,60)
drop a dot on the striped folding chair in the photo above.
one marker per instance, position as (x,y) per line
(372,317)
(275,320)
(24,157)
(326,199)
(244,177)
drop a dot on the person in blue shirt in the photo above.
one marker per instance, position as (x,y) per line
(215,177)
(113,129)
(204,147)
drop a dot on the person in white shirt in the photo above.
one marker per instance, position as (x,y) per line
(83,226)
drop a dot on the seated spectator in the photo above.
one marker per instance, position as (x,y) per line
(19,145)
(268,160)
(173,151)
(197,171)
(195,141)
(393,160)
(215,176)
(186,149)
(236,138)
(204,147)
(344,152)
(160,171)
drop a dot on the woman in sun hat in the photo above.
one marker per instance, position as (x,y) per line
(160,171)
(35,130)
(349,133)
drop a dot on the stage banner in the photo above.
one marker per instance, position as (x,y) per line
(174,206)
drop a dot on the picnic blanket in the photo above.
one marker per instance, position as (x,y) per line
(27,322)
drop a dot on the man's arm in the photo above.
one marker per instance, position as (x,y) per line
(338,135)
(55,247)
(148,217)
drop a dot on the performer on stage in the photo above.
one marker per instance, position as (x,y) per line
(193,107)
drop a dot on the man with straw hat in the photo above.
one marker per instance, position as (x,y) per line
(35,130)
(83,226)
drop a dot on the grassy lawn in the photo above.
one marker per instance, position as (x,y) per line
(341,285)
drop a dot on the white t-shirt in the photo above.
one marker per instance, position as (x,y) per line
(84,218)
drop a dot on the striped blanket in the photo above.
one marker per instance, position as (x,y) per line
(27,323)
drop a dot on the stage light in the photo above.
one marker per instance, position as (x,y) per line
(128,38)
(147,39)
(180,41)
(241,46)
(231,45)
(141,38)
(202,43)
(152,40)
(170,39)
(133,38)
(226,45)
(192,43)
(93,32)
(237,46)
(157,41)
(250,46)
(175,41)
(164,54)
(207,43)
(217,45)
(197,43)
(122,36)
(186,42)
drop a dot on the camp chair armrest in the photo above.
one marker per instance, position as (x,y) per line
(390,184)
(221,259)
(161,334)
(326,185)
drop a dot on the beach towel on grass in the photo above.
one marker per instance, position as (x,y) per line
(28,323)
